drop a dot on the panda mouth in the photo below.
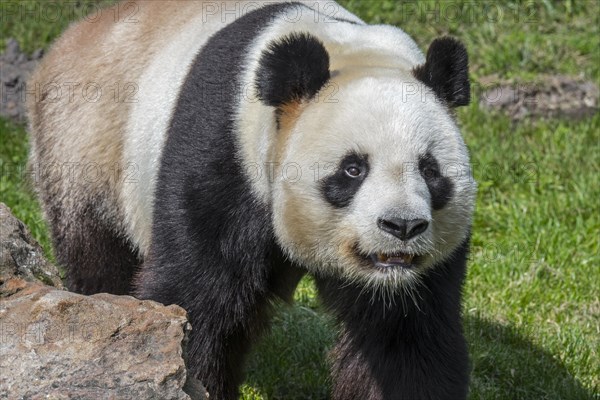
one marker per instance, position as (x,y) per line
(398,260)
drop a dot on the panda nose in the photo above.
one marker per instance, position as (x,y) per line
(401,228)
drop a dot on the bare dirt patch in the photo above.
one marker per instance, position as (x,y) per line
(554,96)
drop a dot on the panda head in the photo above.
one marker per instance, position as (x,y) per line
(375,183)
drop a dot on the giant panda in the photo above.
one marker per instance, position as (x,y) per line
(210,154)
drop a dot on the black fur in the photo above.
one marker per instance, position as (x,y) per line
(339,189)
(97,258)
(401,351)
(213,249)
(440,187)
(293,68)
(446,71)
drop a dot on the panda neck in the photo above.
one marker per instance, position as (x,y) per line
(438,302)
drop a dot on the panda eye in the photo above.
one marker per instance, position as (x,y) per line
(431,172)
(353,171)
(429,167)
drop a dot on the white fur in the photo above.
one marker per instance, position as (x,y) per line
(147,128)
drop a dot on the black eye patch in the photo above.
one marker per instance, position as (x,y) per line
(339,188)
(440,187)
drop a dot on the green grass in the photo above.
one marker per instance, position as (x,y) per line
(510,39)
(15,182)
(532,305)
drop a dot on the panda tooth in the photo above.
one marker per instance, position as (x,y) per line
(403,257)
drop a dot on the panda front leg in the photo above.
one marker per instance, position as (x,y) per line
(391,349)
(228,304)
(225,314)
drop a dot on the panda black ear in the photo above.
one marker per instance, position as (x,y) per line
(446,71)
(292,68)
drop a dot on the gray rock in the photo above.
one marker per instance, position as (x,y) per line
(61,345)
(9,74)
(15,68)
(20,255)
(12,51)
(37,54)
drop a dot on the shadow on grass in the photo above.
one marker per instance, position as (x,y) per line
(291,364)
(507,366)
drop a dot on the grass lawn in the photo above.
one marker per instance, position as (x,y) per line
(532,296)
